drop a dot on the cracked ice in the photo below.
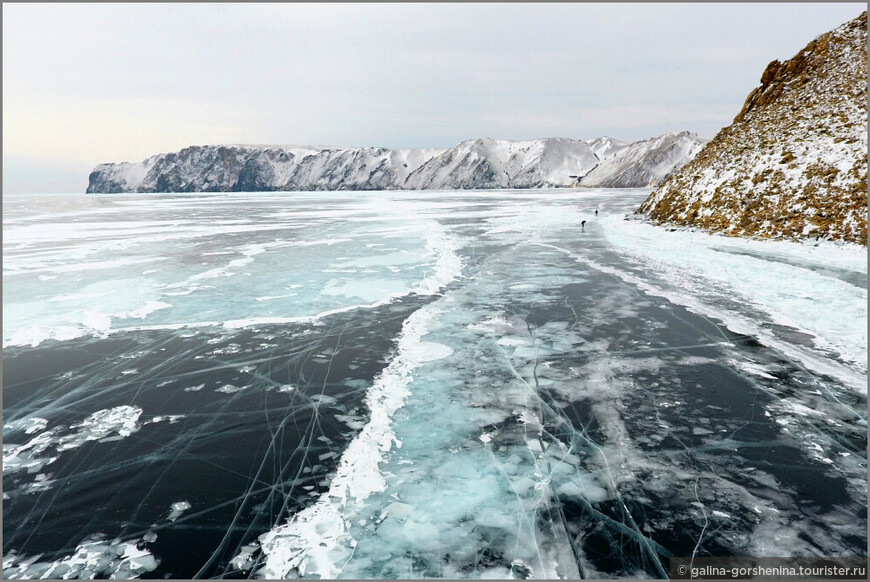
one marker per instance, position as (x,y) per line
(406,385)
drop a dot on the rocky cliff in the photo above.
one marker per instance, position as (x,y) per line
(472,164)
(793,164)
(239,168)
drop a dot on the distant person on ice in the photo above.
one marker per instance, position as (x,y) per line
(583,224)
(596,213)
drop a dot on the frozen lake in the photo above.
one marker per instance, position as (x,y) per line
(420,384)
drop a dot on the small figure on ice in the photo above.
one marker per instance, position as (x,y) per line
(583,224)
(596,212)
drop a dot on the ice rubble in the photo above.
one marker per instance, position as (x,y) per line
(103,425)
(93,558)
(316,540)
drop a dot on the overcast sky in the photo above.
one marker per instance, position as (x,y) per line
(91,83)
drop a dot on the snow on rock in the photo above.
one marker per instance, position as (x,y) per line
(606,147)
(123,177)
(472,164)
(241,168)
(494,163)
(643,163)
(794,162)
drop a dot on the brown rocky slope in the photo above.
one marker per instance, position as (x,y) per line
(793,164)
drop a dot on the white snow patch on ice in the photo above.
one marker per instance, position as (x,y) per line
(791,282)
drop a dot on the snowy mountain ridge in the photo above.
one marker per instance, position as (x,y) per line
(643,163)
(606,147)
(472,164)
(793,164)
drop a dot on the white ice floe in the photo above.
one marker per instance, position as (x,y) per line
(142,312)
(177,509)
(244,560)
(170,418)
(93,558)
(30,456)
(106,425)
(28,425)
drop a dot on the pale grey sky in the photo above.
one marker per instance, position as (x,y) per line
(91,83)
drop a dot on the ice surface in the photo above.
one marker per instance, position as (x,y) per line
(405,385)
(818,289)
(316,540)
(191,284)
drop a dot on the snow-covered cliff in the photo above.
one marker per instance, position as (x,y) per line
(472,164)
(794,162)
(606,147)
(239,168)
(643,163)
(495,163)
